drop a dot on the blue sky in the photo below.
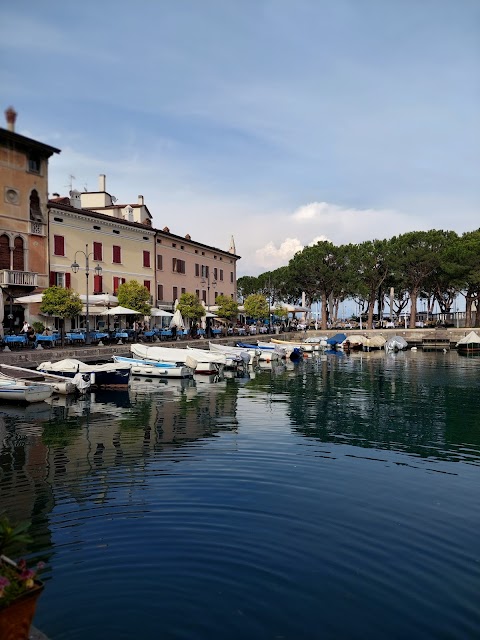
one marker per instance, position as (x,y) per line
(278,122)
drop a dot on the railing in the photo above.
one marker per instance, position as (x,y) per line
(18,278)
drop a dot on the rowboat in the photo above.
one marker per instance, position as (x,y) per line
(267,353)
(153,369)
(13,390)
(248,355)
(292,351)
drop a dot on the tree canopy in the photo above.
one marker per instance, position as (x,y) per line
(190,307)
(256,306)
(61,302)
(227,308)
(134,295)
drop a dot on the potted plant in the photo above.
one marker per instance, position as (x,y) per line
(19,585)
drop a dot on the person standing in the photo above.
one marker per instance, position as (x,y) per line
(24,329)
(31,337)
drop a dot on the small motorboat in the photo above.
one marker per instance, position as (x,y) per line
(396,343)
(108,374)
(199,359)
(267,353)
(13,390)
(154,369)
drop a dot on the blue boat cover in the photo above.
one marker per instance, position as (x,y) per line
(338,338)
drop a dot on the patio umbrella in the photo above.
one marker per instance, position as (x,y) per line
(99,298)
(177,320)
(159,313)
(121,311)
(35,297)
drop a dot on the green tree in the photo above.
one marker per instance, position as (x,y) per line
(190,307)
(60,302)
(246,285)
(256,306)
(134,295)
(227,308)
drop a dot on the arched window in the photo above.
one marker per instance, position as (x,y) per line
(4,252)
(18,255)
(35,211)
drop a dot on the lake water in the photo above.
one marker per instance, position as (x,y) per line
(336,498)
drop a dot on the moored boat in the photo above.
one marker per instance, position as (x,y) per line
(108,374)
(395,343)
(266,353)
(291,344)
(469,344)
(13,390)
(154,369)
(201,360)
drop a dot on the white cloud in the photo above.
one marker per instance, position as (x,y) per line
(325,210)
(271,257)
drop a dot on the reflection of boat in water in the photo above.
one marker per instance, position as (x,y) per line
(469,344)
(37,411)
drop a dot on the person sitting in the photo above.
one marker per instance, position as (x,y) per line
(47,331)
(31,337)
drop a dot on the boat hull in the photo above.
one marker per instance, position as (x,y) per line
(27,394)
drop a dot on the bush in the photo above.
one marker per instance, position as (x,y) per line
(39,327)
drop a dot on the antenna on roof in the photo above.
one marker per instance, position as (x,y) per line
(70,184)
(114,199)
(85,188)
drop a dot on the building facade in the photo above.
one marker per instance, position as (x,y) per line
(23,218)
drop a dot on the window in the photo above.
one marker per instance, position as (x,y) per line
(160,291)
(216,294)
(221,275)
(97,251)
(175,292)
(59,246)
(95,227)
(57,279)
(4,252)
(68,280)
(146,258)
(184,290)
(182,247)
(34,163)
(204,271)
(231,277)
(196,250)
(197,293)
(204,296)
(116,283)
(215,273)
(160,262)
(214,257)
(147,284)
(58,219)
(197,270)
(18,254)
(116,231)
(117,254)
(97,284)
(178,266)
(174,244)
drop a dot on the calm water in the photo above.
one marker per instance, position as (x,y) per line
(338,498)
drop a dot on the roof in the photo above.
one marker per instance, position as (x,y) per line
(29,143)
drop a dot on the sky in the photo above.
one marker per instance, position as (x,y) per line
(277,122)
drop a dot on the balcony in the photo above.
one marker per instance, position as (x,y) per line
(18,279)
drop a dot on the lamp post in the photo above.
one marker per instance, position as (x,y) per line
(206,281)
(98,270)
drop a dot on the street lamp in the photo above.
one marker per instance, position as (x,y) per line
(98,270)
(206,281)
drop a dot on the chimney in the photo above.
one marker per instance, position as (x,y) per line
(102,181)
(11,116)
(140,200)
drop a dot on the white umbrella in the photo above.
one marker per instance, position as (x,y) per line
(177,320)
(36,297)
(160,313)
(99,298)
(121,311)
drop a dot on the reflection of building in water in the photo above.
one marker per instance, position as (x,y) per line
(77,446)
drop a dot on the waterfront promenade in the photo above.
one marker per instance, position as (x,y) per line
(30,358)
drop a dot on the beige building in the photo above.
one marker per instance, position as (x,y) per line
(121,240)
(23,219)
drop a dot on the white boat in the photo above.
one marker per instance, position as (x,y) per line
(108,374)
(291,344)
(153,369)
(396,343)
(248,355)
(13,390)
(60,384)
(198,359)
(318,342)
(469,344)
(232,360)
(267,353)
(292,350)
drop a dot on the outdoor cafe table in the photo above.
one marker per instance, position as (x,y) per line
(216,332)
(75,337)
(15,340)
(49,339)
(165,333)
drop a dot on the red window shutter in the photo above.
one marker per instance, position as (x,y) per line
(116,284)
(97,251)
(68,280)
(117,255)
(52,278)
(97,284)
(146,258)
(146,284)
(59,245)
